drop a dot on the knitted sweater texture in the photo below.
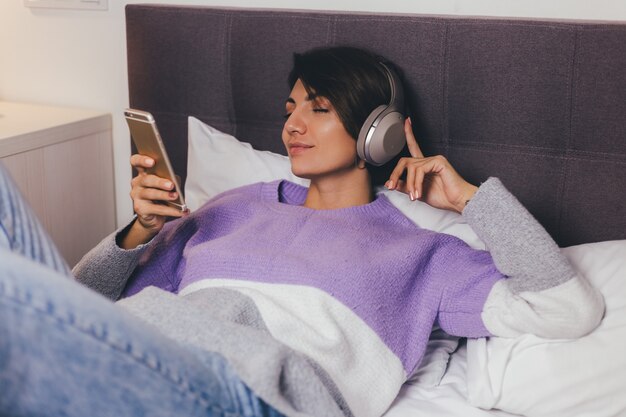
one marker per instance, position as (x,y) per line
(345,299)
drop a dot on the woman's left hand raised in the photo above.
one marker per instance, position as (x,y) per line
(430,179)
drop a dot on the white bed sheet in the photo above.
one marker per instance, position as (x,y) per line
(447,399)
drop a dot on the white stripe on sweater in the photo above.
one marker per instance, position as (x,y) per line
(367,373)
(568,310)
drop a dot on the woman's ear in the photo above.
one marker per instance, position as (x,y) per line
(360,163)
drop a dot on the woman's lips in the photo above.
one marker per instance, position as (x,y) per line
(298,148)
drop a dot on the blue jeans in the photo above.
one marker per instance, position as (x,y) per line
(65,350)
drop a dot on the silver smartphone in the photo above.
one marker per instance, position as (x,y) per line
(145,135)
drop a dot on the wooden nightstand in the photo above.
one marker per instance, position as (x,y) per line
(62,161)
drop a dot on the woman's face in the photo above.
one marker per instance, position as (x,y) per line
(316,140)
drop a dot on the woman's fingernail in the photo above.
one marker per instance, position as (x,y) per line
(149,162)
(390,184)
(411,196)
(417,195)
(410,122)
(168,185)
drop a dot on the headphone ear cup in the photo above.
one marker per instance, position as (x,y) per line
(388,139)
(365,132)
(379,144)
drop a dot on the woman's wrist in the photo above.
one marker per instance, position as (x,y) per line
(467,194)
(135,235)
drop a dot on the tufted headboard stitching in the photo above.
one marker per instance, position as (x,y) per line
(539,104)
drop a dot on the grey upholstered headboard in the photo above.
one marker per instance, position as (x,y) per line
(540,104)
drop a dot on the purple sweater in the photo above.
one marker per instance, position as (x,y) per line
(395,276)
(355,291)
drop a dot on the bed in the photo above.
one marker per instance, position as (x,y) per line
(540,104)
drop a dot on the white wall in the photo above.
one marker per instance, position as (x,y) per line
(77,58)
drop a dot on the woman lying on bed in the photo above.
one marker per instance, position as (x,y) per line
(272,298)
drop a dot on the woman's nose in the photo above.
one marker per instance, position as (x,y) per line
(295,124)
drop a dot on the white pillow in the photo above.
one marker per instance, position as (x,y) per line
(583,377)
(218,162)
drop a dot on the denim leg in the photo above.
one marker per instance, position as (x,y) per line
(65,350)
(21,231)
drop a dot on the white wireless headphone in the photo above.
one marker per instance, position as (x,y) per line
(382,135)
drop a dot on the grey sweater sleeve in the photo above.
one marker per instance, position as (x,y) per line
(107,267)
(543,294)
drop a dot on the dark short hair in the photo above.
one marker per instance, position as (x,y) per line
(353,80)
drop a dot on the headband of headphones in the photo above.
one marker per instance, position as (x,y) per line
(397,93)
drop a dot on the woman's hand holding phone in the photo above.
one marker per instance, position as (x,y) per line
(148,193)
